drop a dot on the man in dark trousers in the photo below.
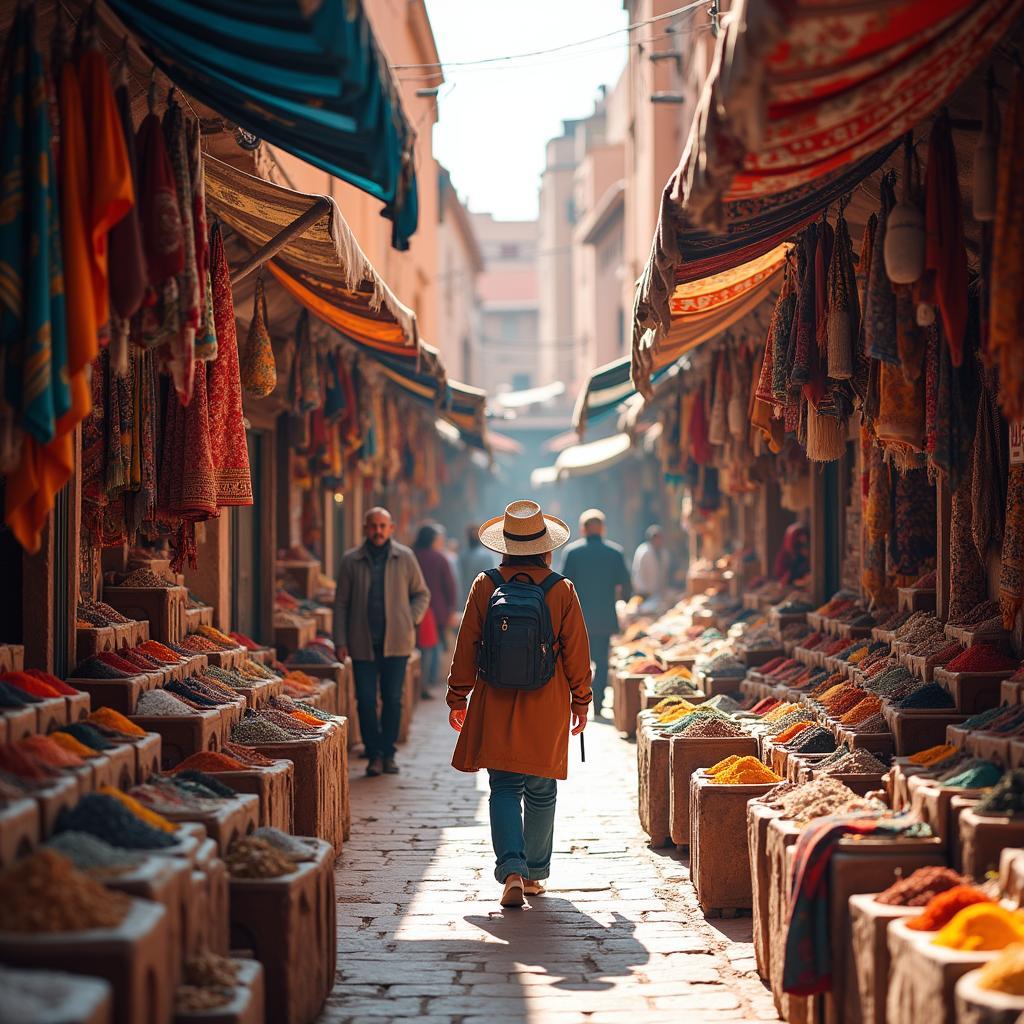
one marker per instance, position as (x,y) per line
(598,571)
(381,599)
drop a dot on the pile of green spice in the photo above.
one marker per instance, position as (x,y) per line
(1005,797)
(975,774)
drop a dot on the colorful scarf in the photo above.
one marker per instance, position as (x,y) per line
(181,346)
(697,430)
(140,504)
(782,332)
(912,538)
(206,335)
(806,322)
(127,253)
(227,431)
(1011,573)
(1006,323)
(968,577)
(956,404)
(945,280)
(862,363)
(880,300)
(807,967)
(843,316)
(877,518)
(33,323)
(988,480)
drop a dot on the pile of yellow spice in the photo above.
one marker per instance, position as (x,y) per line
(742,771)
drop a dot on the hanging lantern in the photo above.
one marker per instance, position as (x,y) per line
(903,251)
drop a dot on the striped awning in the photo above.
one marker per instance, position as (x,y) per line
(307,77)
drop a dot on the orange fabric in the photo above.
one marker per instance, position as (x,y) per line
(385,335)
(519,730)
(112,192)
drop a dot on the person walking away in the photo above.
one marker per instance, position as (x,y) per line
(597,568)
(474,560)
(650,565)
(520,735)
(381,599)
(437,572)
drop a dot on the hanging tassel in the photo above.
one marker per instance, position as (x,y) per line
(983,202)
(826,436)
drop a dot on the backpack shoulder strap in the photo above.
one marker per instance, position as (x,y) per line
(550,581)
(495,577)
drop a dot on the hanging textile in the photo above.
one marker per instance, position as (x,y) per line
(877,519)
(912,537)
(988,477)
(33,338)
(181,345)
(968,578)
(880,300)
(206,334)
(305,385)
(140,504)
(945,280)
(843,317)
(1006,317)
(229,451)
(1011,574)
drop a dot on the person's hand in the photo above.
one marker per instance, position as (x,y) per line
(341,653)
(457,719)
(579,723)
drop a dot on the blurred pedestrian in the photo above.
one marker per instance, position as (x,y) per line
(429,549)
(520,695)
(597,568)
(650,565)
(381,598)
(474,560)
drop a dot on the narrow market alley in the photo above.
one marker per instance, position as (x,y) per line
(618,937)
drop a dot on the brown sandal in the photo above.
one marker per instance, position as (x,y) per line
(514,889)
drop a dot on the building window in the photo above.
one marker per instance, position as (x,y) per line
(520,381)
(570,211)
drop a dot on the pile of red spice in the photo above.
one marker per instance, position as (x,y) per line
(981,658)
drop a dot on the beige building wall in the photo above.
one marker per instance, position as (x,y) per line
(460,263)
(507,355)
(403,32)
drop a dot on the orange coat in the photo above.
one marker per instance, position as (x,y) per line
(520,730)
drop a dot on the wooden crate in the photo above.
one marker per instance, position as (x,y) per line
(12,658)
(321,777)
(289,923)
(912,599)
(652,757)
(687,756)
(758,818)
(247,1000)
(274,786)
(60,794)
(337,671)
(233,818)
(162,607)
(133,958)
(983,837)
(18,723)
(972,691)
(89,642)
(232,658)
(196,617)
(19,831)
(293,637)
(260,692)
(300,577)
(626,692)
(120,694)
(718,835)
(51,713)
(184,735)
(916,730)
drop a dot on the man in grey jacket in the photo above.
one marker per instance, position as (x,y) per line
(381,599)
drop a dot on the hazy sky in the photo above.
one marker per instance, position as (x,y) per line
(495,119)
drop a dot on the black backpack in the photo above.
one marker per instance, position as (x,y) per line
(518,650)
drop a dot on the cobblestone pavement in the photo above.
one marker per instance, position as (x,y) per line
(618,937)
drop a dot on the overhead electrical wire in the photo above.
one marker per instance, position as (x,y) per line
(441,65)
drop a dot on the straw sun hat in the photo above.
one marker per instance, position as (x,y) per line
(523,530)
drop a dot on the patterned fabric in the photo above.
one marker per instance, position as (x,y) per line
(259,372)
(912,538)
(140,504)
(988,480)
(844,307)
(206,334)
(127,253)
(306,394)
(877,518)
(230,452)
(182,344)
(33,338)
(1011,574)
(807,967)
(1006,326)
(880,302)
(956,403)
(968,578)
(945,280)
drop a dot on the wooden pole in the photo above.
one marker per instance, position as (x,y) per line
(274,245)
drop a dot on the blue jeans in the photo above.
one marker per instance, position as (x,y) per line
(431,663)
(522,840)
(380,731)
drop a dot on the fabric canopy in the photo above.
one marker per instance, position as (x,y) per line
(608,387)
(323,268)
(594,456)
(701,310)
(308,77)
(802,96)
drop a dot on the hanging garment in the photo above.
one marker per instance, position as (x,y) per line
(33,337)
(206,333)
(1006,317)
(140,504)
(843,318)
(877,519)
(230,452)
(861,362)
(306,393)
(111,188)
(181,345)
(129,276)
(912,537)
(956,407)
(880,299)
(988,479)
(805,352)
(697,429)
(968,578)
(945,281)
(259,371)
(1011,573)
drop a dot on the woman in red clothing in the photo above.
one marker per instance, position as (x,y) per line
(437,572)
